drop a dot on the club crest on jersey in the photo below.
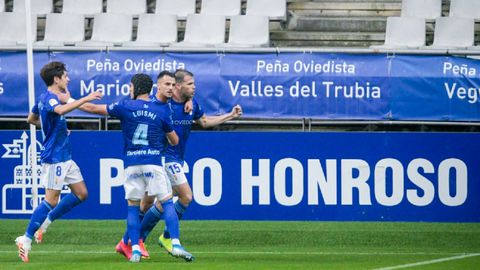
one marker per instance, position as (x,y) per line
(53,102)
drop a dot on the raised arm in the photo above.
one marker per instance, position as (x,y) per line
(172,138)
(94,108)
(70,106)
(211,121)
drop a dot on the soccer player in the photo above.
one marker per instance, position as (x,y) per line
(146,127)
(174,158)
(58,168)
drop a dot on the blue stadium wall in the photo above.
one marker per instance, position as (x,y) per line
(270,85)
(280,176)
(277,176)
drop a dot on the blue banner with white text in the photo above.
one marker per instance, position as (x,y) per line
(432,177)
(268,85)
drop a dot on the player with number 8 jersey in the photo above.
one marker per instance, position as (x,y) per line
(58,168)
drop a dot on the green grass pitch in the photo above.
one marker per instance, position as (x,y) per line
(89,244)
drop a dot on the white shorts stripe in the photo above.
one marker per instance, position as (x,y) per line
(56,175)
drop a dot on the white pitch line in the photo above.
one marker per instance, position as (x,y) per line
(250,252)
(429,262)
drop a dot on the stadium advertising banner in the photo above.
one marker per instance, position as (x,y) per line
(285,85)
(280,176)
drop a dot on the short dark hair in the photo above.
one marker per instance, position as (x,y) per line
(142,84)
(180,75)
(52,70)
(165,73)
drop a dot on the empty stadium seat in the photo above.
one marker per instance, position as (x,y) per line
(85,7)
(404,32)
(110,29)
(181,8)
(448,35)
(39,7)
(155,30)
(131,7)
(203,31)
(427,9)
(221,7)
(63,29)
(465,8)
(249,31)
(12,29)
(274,9)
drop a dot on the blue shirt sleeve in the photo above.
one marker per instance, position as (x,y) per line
(51,103)
(168,120)
(113,109)
(168,125)
(197,110)
(35,109)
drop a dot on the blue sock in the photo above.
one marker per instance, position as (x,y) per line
(133,224)
(64,206)
(125,235)
(180,209)
(38,216)
(152,217)
(171,219)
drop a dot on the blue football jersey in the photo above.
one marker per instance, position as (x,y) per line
(56,145)
(182,123)
(144,125)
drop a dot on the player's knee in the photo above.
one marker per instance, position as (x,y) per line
(51,202)
(186,199)
(82,195)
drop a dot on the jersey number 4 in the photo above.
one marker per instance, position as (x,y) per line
(140,135)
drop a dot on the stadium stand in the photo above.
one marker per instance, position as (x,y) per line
(12,29)
(334,23)
(181,8)
(221,7)
(110,29)
(63,29)
(203,31)
(321,23)
(39,7)
(308,23)
(155,30)
(427,9)
(465,8)
(248,31)
(84,7)
(274,9)
(404,33)
(131,7)
(448,36)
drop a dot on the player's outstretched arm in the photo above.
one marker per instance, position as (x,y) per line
(94,108)
(211,121)
(34,119)
(70,106)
